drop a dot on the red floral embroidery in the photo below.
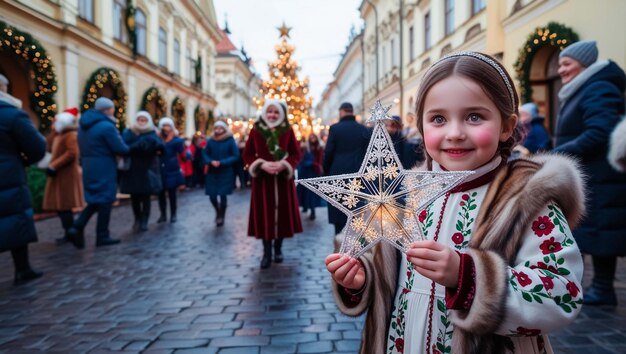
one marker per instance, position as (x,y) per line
(528,332)
(547,283)
(549,268)
(435,350)
(465,197)
(405,290)
(400,345)
(572,288)
(522,278)
(543,226)
(422,216)
(457,238)
(550,246)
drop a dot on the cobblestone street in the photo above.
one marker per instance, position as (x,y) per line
(189,288)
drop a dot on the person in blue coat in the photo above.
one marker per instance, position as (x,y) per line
(537,138)
(345,149)
(20,145)
(99,143)
(171,174)
(592,104)
(310,167)
(143,178)
(220,155)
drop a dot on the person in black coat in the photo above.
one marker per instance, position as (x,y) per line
(592,103)
(143,178)
(345,149)
(20,145)
(537,138)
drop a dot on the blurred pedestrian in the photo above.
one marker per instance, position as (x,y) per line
(21,145)
(537,138)
(220,154)
(186,162)
(310,167)
(99,143)
(394,128)
(198,163)
(64,186)
(271,153)
(171,173)
(592,104)
(345,149)
(143,178)
(414,144)
(240,171)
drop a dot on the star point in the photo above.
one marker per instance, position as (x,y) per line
(284,31)
(378,112)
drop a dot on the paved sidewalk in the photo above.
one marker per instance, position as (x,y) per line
(189,288)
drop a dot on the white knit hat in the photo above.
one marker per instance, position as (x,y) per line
(63,121)
(148,126)
(167,121)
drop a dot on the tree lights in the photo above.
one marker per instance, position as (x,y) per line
(94,89)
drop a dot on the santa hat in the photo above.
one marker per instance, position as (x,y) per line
(63,121)
(73,111)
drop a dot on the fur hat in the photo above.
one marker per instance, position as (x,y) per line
(143,128)
(167,121)
(63,121)
(584,52)
(282,112)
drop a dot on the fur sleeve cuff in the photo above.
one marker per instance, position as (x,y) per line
(617,147)
(288,168)
(252,169)
(487,310)
(355,303)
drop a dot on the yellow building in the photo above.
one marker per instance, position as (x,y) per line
(526,35)
(156,55)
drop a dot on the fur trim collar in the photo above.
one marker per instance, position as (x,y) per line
(569,89)
(617,147)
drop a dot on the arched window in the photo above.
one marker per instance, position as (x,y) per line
(140,31)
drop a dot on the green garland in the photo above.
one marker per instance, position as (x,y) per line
(151,95)
(42,100)
(130,27)
(178,113)
(271,137)
(554,34)
(96,82)
(199,117)
(210,121)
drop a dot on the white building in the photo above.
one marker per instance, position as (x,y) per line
(236,81)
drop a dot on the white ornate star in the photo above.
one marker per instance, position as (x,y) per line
(382,200)
(378,112)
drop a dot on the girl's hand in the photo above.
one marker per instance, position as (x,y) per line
(346,271)
(435,261)
(268,167)
(215,163)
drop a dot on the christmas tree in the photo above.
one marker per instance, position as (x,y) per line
(284,84)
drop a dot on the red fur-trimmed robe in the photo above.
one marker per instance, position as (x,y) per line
(274,209)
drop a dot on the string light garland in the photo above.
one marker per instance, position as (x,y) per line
(284,84)
(41,99)
(178,113)
(93,89)
(153,102)
(555,35)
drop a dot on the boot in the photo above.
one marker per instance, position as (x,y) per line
(173,212)
(76,236)
(136,224)
(106,241)
(162,218)
(602,291)
(26,276)
(23,272)
(267,254)
(278,254)
(219,221)
(143,224)
(312,216)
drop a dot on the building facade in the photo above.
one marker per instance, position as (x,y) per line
(347,85)
(155,55)
(236,81)
(402,38)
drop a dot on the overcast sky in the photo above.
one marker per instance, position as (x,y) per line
(320,33)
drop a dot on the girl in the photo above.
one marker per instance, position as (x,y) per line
(220,154)
(186,162)
(143,178)
(271,153)
(171,174)
(309,167)
(64,186)
(498,268)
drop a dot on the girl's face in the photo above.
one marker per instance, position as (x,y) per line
(142,121)
(462,126)
(272,114)
(569,69)
(219,130)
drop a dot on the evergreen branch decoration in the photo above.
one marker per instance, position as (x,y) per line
(93,90)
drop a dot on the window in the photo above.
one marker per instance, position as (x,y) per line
(477,6)
(119,20)
(427,42)
(140,31)
(411,43)
(85,10)
(449,16)
(162,47)
(177,56)
(191,65)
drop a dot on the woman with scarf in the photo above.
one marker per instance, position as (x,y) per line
(310,167)
(143,178)
(271,154)
(219,155)
(171,174)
